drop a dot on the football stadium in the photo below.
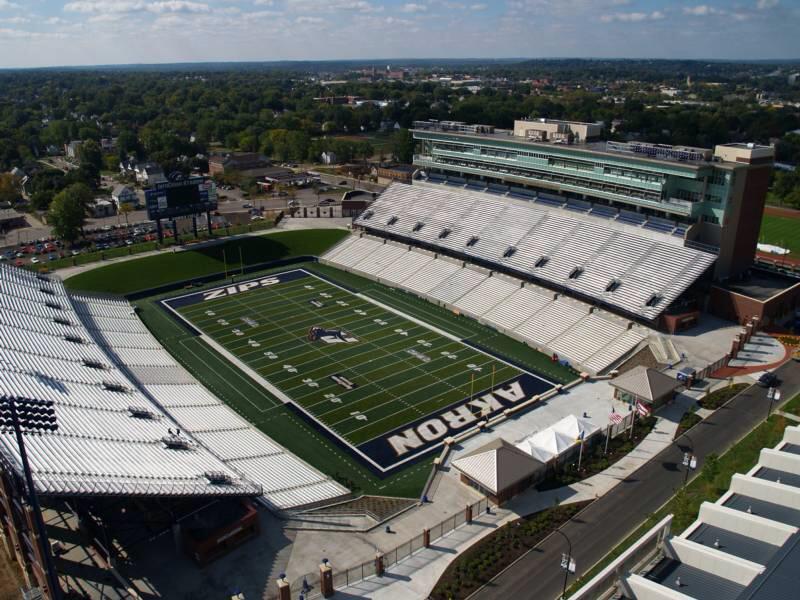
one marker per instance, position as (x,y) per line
(202,398)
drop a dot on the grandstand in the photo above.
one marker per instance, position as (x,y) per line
(632,270)
(588,337)
(132,422)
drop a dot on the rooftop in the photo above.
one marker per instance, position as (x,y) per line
(727,541)
(693,582)
(762,284)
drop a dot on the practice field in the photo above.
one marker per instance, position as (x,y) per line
(781,231)
(386,386)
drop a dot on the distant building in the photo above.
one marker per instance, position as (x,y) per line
(11,219)
(328,158)
(550,130)
(388,173)
(149,173)
(73,148)
(103,208)
(122,194)
(248,164)
(108,144)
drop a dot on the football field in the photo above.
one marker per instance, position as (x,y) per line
(385,385)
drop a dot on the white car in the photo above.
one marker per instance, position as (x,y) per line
(35,260)
(256,218)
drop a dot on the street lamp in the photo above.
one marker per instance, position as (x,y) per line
(689,459)
(24,415)
(566,562)
(774,394)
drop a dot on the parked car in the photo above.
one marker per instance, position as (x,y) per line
(256,218)
(327,201)
(769,379)
(247,205)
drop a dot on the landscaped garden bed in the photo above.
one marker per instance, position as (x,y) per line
(495,552)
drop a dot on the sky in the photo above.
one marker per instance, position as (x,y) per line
(35,33)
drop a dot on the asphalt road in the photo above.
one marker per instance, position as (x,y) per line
(609,520)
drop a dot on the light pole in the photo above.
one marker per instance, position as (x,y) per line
(32,415)
(774,394)
(565,562)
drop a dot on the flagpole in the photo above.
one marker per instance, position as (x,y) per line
(608,435)
(580,453)
(633,420)
(225,262)
(493,379)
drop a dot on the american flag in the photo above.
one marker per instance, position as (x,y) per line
(643,409)
(616,418)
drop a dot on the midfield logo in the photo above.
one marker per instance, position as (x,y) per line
(331,336)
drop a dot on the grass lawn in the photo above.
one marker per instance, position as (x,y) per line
(781,231)
(713,481)
(153,271)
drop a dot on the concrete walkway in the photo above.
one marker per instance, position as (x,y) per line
(415,576)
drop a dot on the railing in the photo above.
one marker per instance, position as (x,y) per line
(351,575)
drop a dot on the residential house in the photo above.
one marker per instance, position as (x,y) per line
(328,158)
(122,194)
(149,173)
(73,149)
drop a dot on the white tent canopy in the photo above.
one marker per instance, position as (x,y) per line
(573,426)
(557,439)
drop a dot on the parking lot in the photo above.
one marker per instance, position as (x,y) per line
(35,244)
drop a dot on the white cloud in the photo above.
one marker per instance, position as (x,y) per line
(477,7)
(766,4)
(15,20)
(632,17)
(128,6)
(412,7)
(175,6)
(309,20)
(263,2)
(103,6)
(702,10)
(7,4)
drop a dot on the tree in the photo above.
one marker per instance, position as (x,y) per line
(8,188)
(67,214)
(91,155)
(124,209)
(403,146)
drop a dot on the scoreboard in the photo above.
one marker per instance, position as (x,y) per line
(170,199)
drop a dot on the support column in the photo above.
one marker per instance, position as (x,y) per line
(468,513)
(426,538)
(284,591)
(326,579)
(379,566)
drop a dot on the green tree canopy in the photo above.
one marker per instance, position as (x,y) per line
(67,214)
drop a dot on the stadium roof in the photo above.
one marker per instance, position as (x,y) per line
(637,271)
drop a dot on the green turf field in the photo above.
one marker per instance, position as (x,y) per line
(370,371)
(781,231)
(153,271)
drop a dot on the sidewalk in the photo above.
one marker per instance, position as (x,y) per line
(415,576)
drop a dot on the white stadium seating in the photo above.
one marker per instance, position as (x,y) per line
(624,266)
(589,338)
(117,394)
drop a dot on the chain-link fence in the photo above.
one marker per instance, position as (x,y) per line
(309,583)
